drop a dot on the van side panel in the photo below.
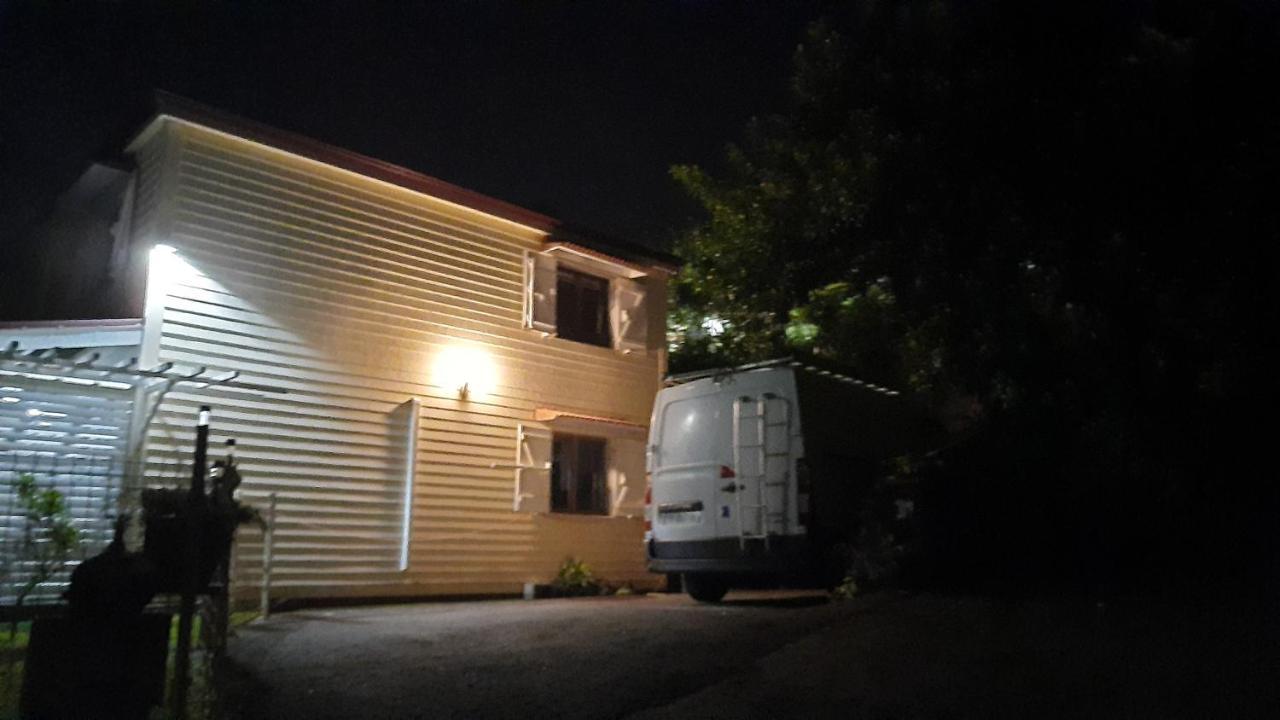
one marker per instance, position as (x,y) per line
(857,421)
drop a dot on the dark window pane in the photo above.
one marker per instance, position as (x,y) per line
(591,479)
(582,307)
(578,481)
(561,474)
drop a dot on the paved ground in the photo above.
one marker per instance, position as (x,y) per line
(759,655)
(572,658)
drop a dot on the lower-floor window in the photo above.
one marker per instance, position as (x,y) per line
(578,483)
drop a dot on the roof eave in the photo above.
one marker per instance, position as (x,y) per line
(177,108)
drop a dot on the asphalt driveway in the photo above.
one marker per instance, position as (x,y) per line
(572,658)
(759,655)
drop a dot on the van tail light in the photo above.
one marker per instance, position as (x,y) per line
(727,472)
(648,507)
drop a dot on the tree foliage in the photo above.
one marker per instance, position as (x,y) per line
(1062,215)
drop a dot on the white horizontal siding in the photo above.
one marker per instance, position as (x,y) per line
(344,291)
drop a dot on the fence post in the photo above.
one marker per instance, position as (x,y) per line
(268,539)
(195,517)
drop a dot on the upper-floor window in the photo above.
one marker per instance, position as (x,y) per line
(582,307)
(585,301)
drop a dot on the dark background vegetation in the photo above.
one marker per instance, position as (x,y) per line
(1055,221)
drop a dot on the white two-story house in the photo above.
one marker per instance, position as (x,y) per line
(466,385)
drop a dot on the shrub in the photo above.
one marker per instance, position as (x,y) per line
(575,574)
(846,590)
(49,535)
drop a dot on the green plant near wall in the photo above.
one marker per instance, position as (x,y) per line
(846,590)
(49,535)
(575,574)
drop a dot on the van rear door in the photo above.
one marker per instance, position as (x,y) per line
(724,453)
(690,442)
(722,457)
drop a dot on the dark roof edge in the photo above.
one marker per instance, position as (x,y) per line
(182,108)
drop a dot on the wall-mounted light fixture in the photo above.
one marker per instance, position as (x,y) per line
(466,370)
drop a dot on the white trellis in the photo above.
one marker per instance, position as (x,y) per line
(73,419)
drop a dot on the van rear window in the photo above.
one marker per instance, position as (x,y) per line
(691,431)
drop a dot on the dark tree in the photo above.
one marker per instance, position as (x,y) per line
(1059,223)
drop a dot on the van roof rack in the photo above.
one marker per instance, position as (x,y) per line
(807,364)
(684,377)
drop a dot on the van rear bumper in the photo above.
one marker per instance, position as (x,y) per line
(784,554)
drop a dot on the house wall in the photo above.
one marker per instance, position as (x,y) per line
(347,292)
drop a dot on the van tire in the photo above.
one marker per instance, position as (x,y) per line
(705,587)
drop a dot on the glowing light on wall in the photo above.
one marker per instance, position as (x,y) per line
(167,267)
(467,370)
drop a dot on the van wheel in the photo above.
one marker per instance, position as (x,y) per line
(705,587)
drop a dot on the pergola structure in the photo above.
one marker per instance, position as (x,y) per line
(74,409)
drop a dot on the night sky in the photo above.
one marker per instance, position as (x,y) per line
(576,110)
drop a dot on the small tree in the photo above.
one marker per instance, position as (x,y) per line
(49,536)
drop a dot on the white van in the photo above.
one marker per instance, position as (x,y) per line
(758,471)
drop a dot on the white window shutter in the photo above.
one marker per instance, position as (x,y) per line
(533,470)
(627,313)
(626,476)
(406,420)
(540,292)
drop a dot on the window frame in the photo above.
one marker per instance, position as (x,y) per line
(622,318)
(571,321)
(571,496)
